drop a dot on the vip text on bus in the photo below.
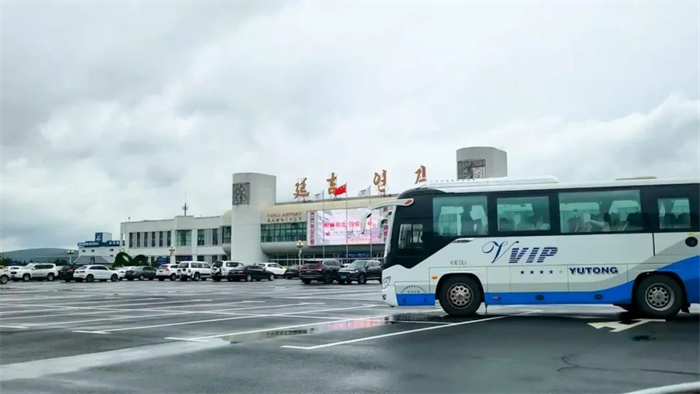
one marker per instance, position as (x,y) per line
(629,242)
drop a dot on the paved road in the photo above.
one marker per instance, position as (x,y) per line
(283,336)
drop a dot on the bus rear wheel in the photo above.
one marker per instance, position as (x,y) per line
(460,296)
(659,297)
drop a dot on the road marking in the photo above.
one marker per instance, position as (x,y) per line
(57,298)
(103,307)
(367,306)
(393,334)
(177,324)
(90,332)
(69,364)
(247,316)
(204,338)
(103,319)
(18,327)
(61,314)
(619,326)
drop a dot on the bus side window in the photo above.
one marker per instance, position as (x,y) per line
(674,213)
(456,216)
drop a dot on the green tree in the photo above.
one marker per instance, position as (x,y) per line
(140,260)
(123,260)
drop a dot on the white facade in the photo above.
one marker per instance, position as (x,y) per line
(101,250)
(194,238)
(251,193)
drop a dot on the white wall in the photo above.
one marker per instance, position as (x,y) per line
(245,218)
(190,223)
(496,160)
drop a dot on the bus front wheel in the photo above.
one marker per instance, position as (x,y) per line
(659,297)
(460,296)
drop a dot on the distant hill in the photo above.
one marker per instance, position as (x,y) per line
(38,254)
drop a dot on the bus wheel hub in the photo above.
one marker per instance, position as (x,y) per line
(460,295)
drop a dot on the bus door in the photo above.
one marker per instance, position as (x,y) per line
(676,225)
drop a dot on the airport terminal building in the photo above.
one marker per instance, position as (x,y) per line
(258,229)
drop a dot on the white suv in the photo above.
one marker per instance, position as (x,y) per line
(167,271)
(275,268)
(38,271)
(194,270)
(4,275)
(220,269)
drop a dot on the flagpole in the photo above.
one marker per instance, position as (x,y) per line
(323,221)
(346,221)
(370,225)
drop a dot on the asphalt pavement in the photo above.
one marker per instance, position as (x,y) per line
(286,337)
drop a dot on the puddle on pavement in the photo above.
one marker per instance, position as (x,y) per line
(331,327)
(641,338)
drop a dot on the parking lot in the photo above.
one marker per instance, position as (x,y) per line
(283,336)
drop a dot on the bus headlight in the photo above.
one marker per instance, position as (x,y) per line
(385,282)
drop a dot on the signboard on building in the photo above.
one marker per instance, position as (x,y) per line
(98,244)
(285,217)
(330,227)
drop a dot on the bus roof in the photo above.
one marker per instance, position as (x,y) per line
(544,183)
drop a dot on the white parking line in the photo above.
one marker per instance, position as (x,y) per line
(207,337)
(393,334)
(33,325)
(407,331)
(100,311)
(110,308)
(44,298)
(239,317)
(172,324)
(19,327)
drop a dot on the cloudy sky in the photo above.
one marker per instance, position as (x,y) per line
(114,110)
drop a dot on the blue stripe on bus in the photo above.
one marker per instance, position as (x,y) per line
(415,299)
(688,270)
(621,294)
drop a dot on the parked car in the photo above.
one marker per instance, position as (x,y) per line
(66,272)
(322,270)
(250,273)
(38,271)
(194,270)
(90,273)
(141,273)
(220,269)
(4,275)
(275,268)
(10,269)
(121,272)
(361,271)
(166,271)
(292,272)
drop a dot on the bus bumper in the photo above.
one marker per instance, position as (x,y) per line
(389,296)
(407,298)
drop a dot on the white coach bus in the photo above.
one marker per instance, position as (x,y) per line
(630,242)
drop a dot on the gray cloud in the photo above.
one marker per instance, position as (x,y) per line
(117,110)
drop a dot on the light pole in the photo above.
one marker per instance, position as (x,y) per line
(70,256)
(300,245)
(171,249)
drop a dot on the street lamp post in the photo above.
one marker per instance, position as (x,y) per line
(171,249)
(70,256)
(300,245)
